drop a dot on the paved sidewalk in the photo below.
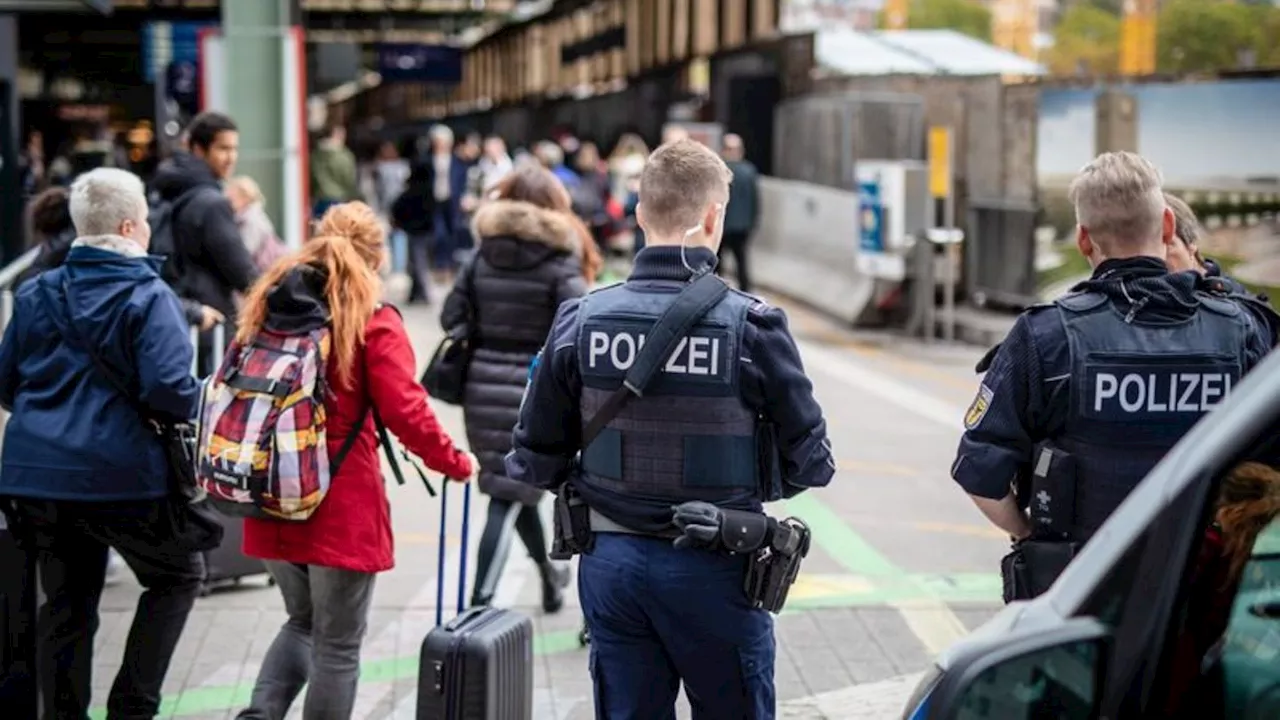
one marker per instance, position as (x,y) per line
(862,620)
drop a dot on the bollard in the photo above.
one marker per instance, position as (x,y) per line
(923,289)
(949,239)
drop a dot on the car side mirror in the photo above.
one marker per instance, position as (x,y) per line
(1057,672)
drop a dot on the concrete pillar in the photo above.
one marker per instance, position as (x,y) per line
(1117,122)
(260,62)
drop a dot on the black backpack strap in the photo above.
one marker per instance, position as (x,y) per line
(693,302)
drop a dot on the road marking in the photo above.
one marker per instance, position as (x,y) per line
(887,388)
(868,701)
(931,620)
(870,467)
(929,617)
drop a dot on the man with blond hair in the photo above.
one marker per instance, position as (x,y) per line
(1088,393)
(653,431)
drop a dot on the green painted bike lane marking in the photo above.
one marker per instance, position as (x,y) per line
(887,584)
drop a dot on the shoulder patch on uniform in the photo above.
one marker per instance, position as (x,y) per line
(978,408)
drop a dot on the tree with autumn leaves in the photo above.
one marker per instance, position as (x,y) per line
(1191,35)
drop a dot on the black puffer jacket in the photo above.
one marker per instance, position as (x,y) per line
(528,262)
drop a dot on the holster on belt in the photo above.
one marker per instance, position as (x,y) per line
(772,570)
(571,524)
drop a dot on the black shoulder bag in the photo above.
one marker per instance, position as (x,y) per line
(572,526)
(445,377)
(192,524)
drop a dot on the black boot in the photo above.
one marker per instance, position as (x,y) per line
(554,581)
(481,600)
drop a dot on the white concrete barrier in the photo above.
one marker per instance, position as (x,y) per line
(806,247)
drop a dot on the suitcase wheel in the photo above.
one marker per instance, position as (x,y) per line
(584,638)
(271,581)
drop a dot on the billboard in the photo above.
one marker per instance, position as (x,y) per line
(1213,136)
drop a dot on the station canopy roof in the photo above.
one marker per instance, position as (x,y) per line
(842,51)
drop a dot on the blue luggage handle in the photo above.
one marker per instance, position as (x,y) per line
(462,565)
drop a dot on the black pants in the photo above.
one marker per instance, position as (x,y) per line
(495,543)
(736,243)
(71,541)
(17,628)
(419,268)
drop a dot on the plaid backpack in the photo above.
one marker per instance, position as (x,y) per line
(262,448)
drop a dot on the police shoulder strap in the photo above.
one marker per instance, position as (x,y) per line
(693,302)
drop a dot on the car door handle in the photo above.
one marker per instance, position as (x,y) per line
(1268,610)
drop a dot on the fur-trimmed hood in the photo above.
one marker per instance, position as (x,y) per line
(525,221)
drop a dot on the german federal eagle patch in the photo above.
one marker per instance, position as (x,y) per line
(978,409)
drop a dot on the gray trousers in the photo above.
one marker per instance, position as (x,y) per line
(320,642)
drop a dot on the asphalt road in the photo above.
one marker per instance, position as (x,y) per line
(903,563)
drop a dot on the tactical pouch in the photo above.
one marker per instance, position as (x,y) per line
(772,570)
(1052,501)
(571,524)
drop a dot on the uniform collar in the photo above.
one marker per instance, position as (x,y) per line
(1125,268)
(663,262)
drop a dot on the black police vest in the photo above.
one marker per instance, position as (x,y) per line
(1136,389)
(690,436)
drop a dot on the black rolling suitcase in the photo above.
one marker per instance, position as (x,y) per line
(225,563)
(479,666)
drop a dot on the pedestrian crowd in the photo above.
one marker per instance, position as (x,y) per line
(111,403)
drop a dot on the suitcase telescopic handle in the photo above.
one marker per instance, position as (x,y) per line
(441,553)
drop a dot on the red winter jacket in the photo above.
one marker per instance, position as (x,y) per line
(352,527)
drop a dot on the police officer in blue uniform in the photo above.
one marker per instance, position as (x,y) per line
(1185,255)
(671,482)
(1087,393)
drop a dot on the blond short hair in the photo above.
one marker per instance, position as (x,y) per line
(248,187)
(1117,198)
(1186,226)
(679,181)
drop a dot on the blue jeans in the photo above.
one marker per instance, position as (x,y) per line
(659,616)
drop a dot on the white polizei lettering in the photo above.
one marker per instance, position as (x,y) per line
(1104,387)
(1152,405)
(1145,392)
(1210,393)
(618,341)
(698,350)
(597,345)
(715,356)
(672,365)
(1185,403)
(1132,381)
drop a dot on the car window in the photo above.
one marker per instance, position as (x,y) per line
(1249,658)
(1223,660)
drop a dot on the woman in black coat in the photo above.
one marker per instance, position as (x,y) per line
(51,231)
(528,260)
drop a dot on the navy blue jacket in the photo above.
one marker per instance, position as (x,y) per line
(549,434)
(1024,398)
(71,436)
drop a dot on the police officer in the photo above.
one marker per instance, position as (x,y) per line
(1185,255)
(1088,392)
(661,613)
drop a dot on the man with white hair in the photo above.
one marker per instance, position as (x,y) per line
(1088,393)
(95,360)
